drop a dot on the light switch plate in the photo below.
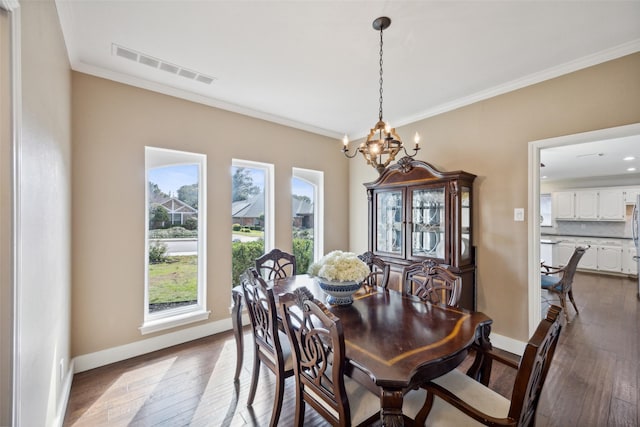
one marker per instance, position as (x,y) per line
(518,214)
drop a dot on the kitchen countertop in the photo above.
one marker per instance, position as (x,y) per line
(546,236)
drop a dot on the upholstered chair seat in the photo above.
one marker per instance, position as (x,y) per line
(471,392)
(455,399)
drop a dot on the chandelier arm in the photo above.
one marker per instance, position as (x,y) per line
(350,156)
(415,151)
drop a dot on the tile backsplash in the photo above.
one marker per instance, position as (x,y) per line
(617,229)
(592,228)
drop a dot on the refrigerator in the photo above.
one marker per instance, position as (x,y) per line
(635,228)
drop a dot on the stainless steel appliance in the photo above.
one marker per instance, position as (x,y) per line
(635,227)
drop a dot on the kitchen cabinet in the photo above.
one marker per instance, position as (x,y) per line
(610,258)
(629,263)
(417,212)
(589,260)
(564,204)
(631,195)
(611,205)
(564,252)
(590,205)
(605,255)
(586,205)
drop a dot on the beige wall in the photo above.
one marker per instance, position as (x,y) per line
(44,215)
(112,123)
(490,139)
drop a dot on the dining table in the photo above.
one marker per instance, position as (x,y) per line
(393,343)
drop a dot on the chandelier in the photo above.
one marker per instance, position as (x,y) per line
(382,144)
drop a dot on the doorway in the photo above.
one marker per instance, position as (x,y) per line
(535,294)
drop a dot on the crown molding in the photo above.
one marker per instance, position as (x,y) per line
(200,99)
(548,74)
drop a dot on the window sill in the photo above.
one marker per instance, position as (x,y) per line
(156,325)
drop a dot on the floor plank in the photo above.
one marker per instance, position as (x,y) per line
(593,380)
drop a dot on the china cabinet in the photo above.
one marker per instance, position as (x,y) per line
(417,212)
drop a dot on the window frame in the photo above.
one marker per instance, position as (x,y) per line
(269,197)
(161,157)
(316,179)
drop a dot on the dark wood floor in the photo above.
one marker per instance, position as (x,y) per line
(594,379)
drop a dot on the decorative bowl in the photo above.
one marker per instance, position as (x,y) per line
(338,293)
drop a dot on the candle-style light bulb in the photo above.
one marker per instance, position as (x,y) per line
(387,128)
(416,139)
(345,140)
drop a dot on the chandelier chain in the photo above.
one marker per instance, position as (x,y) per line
(382,144)
(380,111)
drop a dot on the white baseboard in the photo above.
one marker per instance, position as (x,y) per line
(507,344)
(116,354)
(66,391)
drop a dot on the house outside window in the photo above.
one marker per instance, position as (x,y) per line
(306,206)
(252,230)
(175,245)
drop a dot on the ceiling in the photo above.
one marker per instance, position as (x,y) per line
(592,159)
(313,65)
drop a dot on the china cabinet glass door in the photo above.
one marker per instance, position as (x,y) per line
(428,213)
(465,224)
(389,217)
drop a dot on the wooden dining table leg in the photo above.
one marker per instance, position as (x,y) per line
(480,370)
(236,320)
(391,408)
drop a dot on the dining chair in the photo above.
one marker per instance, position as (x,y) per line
(270,345)
(380,271)
(433,282)
(456,399)
(276,264)
(317,340)
(560,280)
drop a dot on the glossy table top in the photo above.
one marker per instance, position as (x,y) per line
(397,341)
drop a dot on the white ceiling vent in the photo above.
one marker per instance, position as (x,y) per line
(145,59)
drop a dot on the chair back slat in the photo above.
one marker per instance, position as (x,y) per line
(318,347)
(263,314)
(570,269)
(276,264)
(380,271)
(432,282)
(534,367)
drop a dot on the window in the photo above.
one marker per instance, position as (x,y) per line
(175,250)
(252,214)
(306,205)
(545,210)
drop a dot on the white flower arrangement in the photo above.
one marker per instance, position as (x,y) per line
(339,266)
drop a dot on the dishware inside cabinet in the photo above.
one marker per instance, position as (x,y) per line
(428,232)
(389,218)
